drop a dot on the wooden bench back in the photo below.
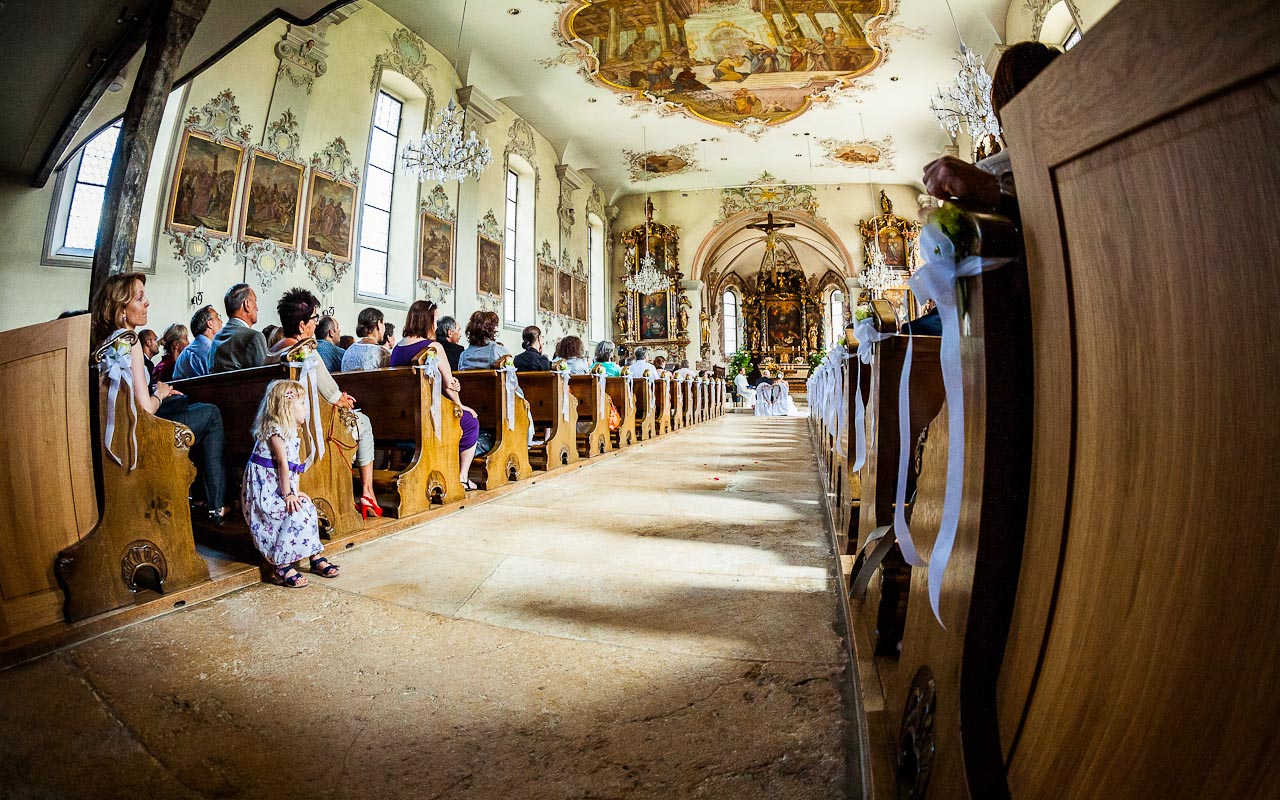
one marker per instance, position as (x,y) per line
(624,399)
(593,407)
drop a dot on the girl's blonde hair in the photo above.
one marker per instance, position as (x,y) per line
(274,411)
(109,301)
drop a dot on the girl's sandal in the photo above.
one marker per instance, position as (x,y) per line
(324,567)
(288,577)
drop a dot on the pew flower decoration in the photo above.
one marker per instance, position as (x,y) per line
(559,365)
(299,354)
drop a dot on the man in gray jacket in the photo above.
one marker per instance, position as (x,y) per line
(238,345)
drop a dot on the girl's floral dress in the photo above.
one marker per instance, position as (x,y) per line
(281,537)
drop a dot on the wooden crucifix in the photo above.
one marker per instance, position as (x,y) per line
(770,228)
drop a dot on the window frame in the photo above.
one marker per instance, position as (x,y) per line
(385,297)
(519,262)
(597,285)
(510,248)
(725,321)
(835,327)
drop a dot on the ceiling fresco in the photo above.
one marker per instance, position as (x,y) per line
(727,62)
(650,165)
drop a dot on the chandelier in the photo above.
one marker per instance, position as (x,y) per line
(646,278)
(445,152)
(448,151)
(966,102)
(878,276)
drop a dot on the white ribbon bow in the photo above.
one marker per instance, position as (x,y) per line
(119,371)
(652,401)
(867,336)
(315,427)
(431,369)
(936,281)
(512,385)
(601,406)
(565,394)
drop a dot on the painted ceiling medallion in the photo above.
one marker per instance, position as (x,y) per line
(726,61)
(863,153)
(660,163)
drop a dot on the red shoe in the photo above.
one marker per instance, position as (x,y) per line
(366,507)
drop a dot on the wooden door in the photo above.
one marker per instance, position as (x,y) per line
(1146,635)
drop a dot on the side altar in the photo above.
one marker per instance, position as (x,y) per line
(658,319)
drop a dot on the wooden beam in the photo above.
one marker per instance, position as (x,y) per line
(172,24)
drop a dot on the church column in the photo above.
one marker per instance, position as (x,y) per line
(664,29)
(849,22)
(773,24)
(613,42)
(172,24)
(680,34)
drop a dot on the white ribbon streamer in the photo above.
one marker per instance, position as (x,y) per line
(867,336)
(512,386)
(602,408)
(936,281)
(119,372)
(315,428)
(431,369)
(652,399)
(565,394)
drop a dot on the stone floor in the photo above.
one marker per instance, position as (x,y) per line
(659,625)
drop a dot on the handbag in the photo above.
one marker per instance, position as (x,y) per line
(615,419)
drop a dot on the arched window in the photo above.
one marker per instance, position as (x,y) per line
(518,269)
(373,267)
(835,316)
(88,192)
(597,280)
(730,316)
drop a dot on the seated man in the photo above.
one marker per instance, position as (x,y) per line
(238,345)
(447,334)
(193,361)
(641,367)
(532,359)
(744,390)
(684,370)
(328,335)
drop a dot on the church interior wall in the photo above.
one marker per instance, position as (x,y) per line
(341,104)
(697,213)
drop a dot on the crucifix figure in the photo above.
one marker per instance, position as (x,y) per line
(770,245)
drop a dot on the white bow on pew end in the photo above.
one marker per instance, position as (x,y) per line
(867,335)
(936,280)
(431,368)
(315,426)
(117,357)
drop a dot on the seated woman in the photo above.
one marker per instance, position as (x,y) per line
(419,325)
(605,358)
(174,341)
(299,316)
(121,303)
(484,349)
(368,352)
(570,349)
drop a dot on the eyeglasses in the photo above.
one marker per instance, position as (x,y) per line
(313,317)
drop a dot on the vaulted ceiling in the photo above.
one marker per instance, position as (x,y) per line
(880,64)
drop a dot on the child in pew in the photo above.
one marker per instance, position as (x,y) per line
(281,518)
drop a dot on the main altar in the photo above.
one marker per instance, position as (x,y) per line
(782,315)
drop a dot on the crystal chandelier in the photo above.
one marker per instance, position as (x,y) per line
(646,278)
(966,102)
(877,276)
(448,151)
(445,152)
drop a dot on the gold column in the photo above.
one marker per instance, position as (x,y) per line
(664,29)
(612,46)
(849,22)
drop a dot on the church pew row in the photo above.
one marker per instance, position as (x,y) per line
(646,407)
(555,418)
(136,556)
(624,400)
(504,416)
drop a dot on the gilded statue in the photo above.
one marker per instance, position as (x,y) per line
(704,325)
(683,315)
(620,316)
(813,336)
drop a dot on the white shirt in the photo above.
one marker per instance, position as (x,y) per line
(643,369)
(686,371)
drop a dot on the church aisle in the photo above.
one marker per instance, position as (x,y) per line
(659,625)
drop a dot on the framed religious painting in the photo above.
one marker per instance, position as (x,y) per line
(546,287)
(903,301)
(580,299)
(564,294)
(784,320)
(488,266)
(272,197)
(655,316)
(205,184)
(330,217)
(435,249)
(893,236)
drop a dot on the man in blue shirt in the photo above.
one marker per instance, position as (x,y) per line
(327,336)
(193,361)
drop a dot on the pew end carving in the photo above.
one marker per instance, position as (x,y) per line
(593,415)
(624,399)
(142,544)
(544,392)
(485,391)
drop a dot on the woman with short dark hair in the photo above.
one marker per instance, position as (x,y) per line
(368,352)
(484,350)
(299,312)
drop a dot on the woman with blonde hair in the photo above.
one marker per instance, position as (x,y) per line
(121,304)
(174,340)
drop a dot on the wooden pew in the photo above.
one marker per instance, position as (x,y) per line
(328,481)
(646,407)
(142,540)
(593,407)
(619,390)
(545,393)
(677,402)
(878,565)
(690,401)
(848,484)
(662,424)
(700,400)
(398,401)
(485,391)
(1144,626)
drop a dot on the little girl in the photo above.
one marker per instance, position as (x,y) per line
(282,519)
